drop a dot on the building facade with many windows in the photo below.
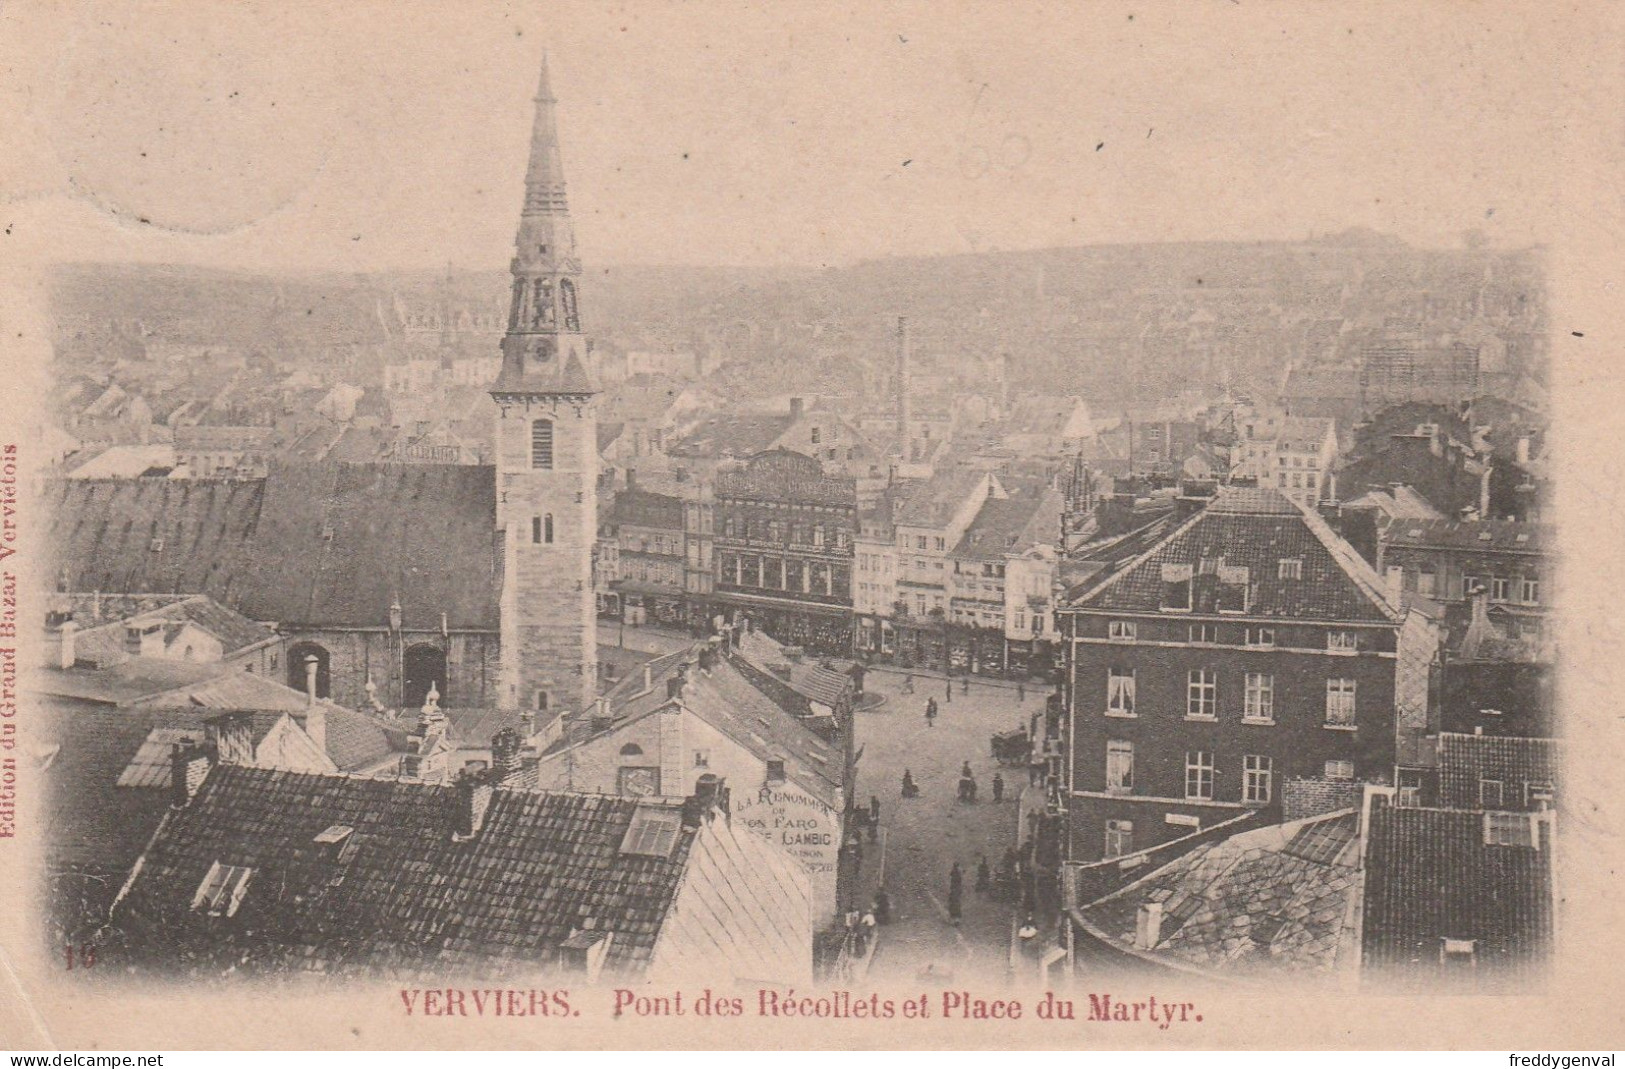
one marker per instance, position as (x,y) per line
(783,549)
(1248,648)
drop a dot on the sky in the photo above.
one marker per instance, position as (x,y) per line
(368,136)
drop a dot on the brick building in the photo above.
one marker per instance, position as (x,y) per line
(1248,647)
(783,549)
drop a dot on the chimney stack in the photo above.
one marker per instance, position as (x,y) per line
(1523,449)
(189,765)
(473,793)
(505,747)
(710,799)
(310,678)
(904,358)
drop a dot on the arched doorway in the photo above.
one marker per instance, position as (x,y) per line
(296,668)
(424,665)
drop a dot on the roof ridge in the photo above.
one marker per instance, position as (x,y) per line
(1144,556)
(1354,566)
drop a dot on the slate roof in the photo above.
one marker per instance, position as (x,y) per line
(91,819)
(159,681)
(1013,524)
(808,678)
(1259,903)
(1500,536)
(235,631)
(1399,503)
(317,544)
(1256,529)
(1430,876)
(732,434)
(1514,762)
(401,895)
(932,503)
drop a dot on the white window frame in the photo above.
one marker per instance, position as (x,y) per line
(1260,637)
(1121,630)
(1342,642)
(1500,587)
(1199,775)
(1342,703)
(1334,769)
(1529,591)
(1120,692)
(1258,775)
(1202,634)
(1119,838)
(1119,766)
(1202,694)
(1289,568)
(1258,705)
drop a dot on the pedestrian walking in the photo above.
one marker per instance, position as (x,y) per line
(964,685)
(931,714)
(955,901)
(948,692)
(1021,693)
(866,928)
(874,810)
(882,907)
(908,683)
(910,788)
(984,876)
(956,879)
(998,788)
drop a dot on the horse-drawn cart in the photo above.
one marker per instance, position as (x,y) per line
(1012,748)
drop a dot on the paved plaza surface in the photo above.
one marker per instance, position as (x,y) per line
(922,837)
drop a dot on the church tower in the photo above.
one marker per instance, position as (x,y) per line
(546,451)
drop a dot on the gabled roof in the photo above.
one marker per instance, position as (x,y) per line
(808,678)
(1431,876)
(1401,502)
(1464,760)
(1256,529)
(932,503)
(159,681)
(1260,903)
(402,895)
(732,434)
(1501,536)
(322,544)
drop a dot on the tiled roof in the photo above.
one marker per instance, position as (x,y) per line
(998,526)
(807,678)
(933,502)
(1430,876)
(401,895)
(357,742)
(1263,902)
(152,680)
(1256,529)
(732,434)
(327,544)
(785,475)
(93,820)
(1500,536)
(1303,433)
(1464,760)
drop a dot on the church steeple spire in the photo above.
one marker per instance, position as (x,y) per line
(544,352)
(544,178)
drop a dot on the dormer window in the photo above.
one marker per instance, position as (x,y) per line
(1458,953)
(1289,568)
(1509,829)
(775,771)
(1176,588)
(221,892)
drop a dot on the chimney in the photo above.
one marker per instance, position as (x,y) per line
(797,407)
(1484,494)
(310,678)
(1148,926)
(66,654)
(473,793)
(231,738)
(315,724)
(505,747)
(1523,449)
(710,799)
(648,677)
(189,765)
(904,357)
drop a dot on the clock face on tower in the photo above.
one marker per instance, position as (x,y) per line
(541,350)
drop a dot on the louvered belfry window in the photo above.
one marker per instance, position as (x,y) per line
(541,443)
